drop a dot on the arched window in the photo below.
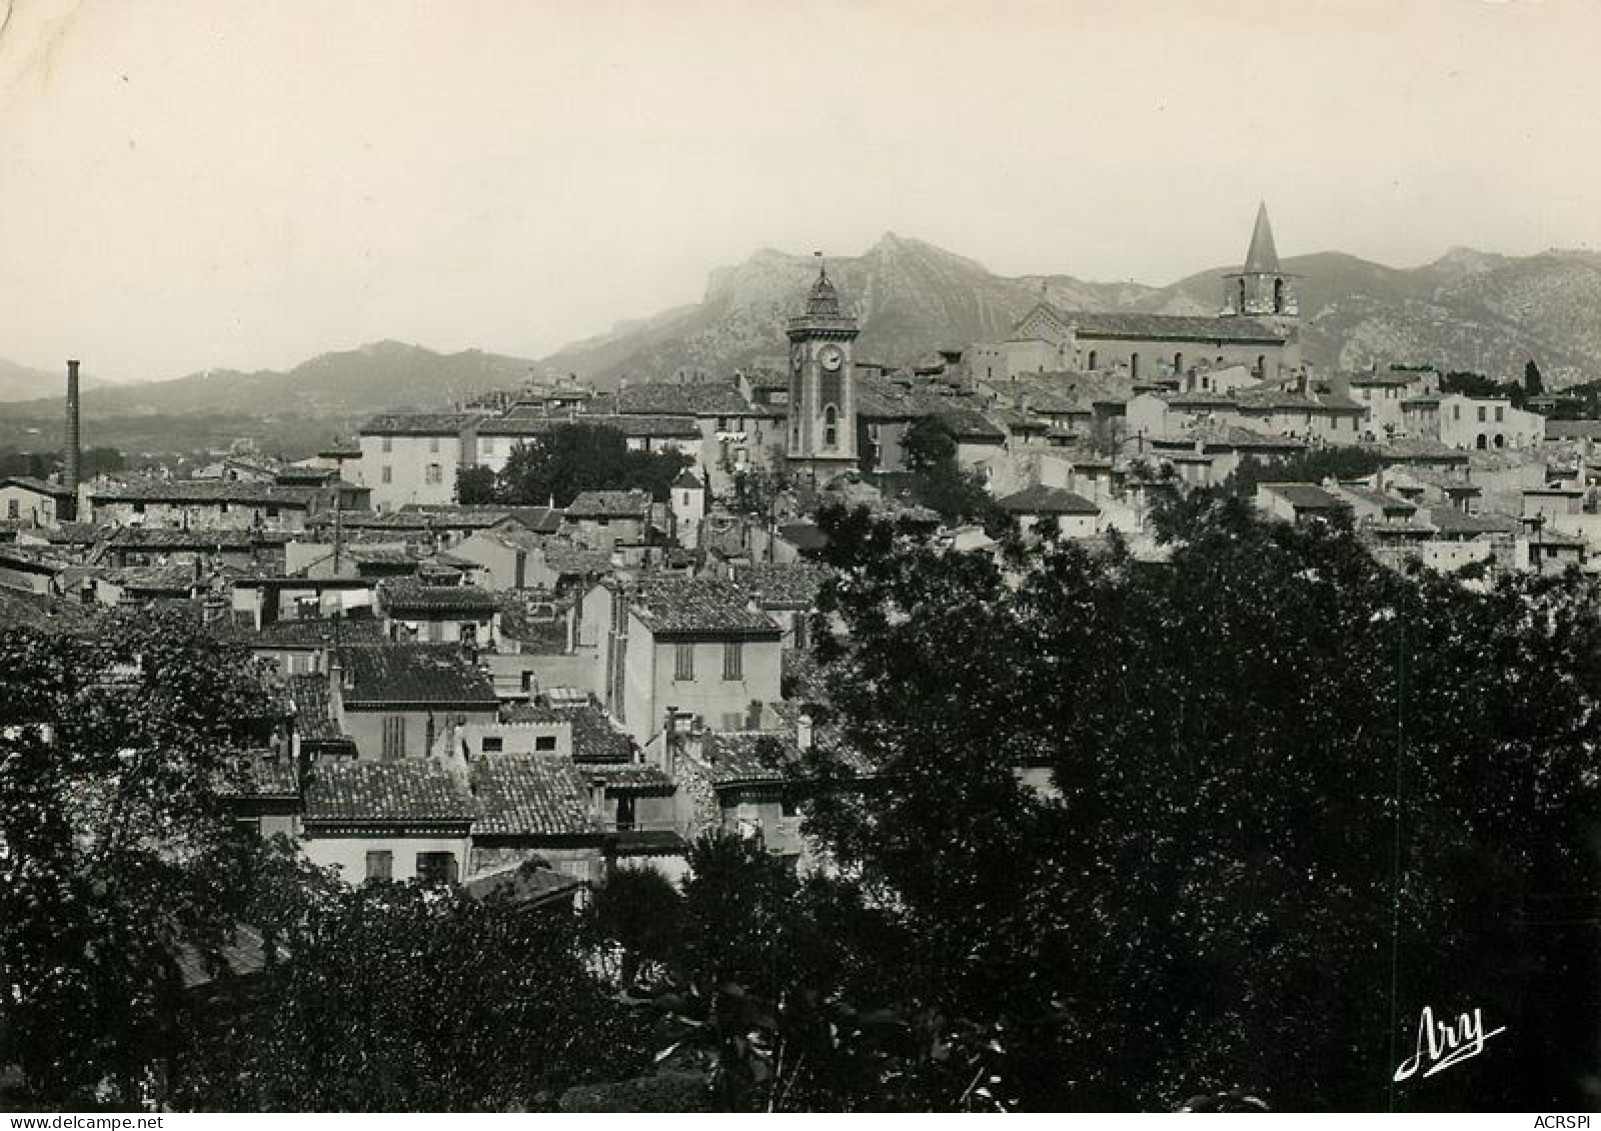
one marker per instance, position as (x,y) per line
(1178,363)
(830,427)
(1134,366)
(1500,440)
(1480,443)
(1092,359)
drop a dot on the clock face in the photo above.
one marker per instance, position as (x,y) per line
(831,357)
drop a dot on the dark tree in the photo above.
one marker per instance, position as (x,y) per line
(573,458)
(116,846)
(1533,383)
(1301,798)
(411,997)
(940,483)
(475,485)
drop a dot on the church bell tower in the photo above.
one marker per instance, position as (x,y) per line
(1261,289)
(822,388)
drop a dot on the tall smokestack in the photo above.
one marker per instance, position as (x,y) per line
(73,453)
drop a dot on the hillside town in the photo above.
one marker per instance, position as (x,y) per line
(594,682)
(631,672)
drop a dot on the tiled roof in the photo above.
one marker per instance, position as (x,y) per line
(1306,496)
(737,757)
(1449,520)
(639,426)
(777,585)
(636,777)
(595,740)
(1169,327)
(315,632)
(530,795)
(409,597)
(171,538)
(458,517)
(26,610)
(202,492)
(408,791)
(701,605)
(39,486)
(177,578)
(1040,499)
(433,674)
(260,776)
(569,560)
(705,398)
(610,504)
(1387,379)
(417,424)
(314,721)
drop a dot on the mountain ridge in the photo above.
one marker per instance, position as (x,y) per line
(1467,309)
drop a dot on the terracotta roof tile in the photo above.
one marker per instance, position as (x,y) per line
(530,795)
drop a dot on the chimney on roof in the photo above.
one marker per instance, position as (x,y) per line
(73,456)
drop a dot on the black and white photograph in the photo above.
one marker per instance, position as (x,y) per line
(799,556)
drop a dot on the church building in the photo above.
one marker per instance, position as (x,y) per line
(822,391)
(1256,327)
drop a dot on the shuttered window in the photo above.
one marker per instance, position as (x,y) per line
(684,662)
(733,660)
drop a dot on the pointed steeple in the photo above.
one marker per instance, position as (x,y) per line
(1263,257)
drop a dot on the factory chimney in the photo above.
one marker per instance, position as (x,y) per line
(73,454)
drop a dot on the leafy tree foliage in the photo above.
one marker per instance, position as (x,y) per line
(1301,797)
(583,457)
(414,997)
(1533,382)
(1311,466)
(475,485)
(116,849)
(940,483)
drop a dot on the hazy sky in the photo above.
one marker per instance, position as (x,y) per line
(208,183)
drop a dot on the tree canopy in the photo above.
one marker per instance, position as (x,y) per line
(118,849)
(1300,798)
(577,457)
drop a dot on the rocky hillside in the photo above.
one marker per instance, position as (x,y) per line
(1467,310)
(911,297)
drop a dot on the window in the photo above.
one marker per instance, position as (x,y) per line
(494,744)
(388,474)
(1092,359)
(1499,414)
(1481,414)
(272,512)
(138,508)
(625,813)
(389,444)
(1178,363)
(12,508)
(1456,412)
(733,660)
(394,738)
(433,443)
(436,867)
(544,743)
(436,632)
(528,681)
(1134,366)
(381,866)
(830,427)
(434,474)
(489,445)
(684,662)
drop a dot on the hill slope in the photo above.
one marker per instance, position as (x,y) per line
(1467,310)
(373,377)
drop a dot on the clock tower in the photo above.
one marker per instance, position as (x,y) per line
(822,389)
